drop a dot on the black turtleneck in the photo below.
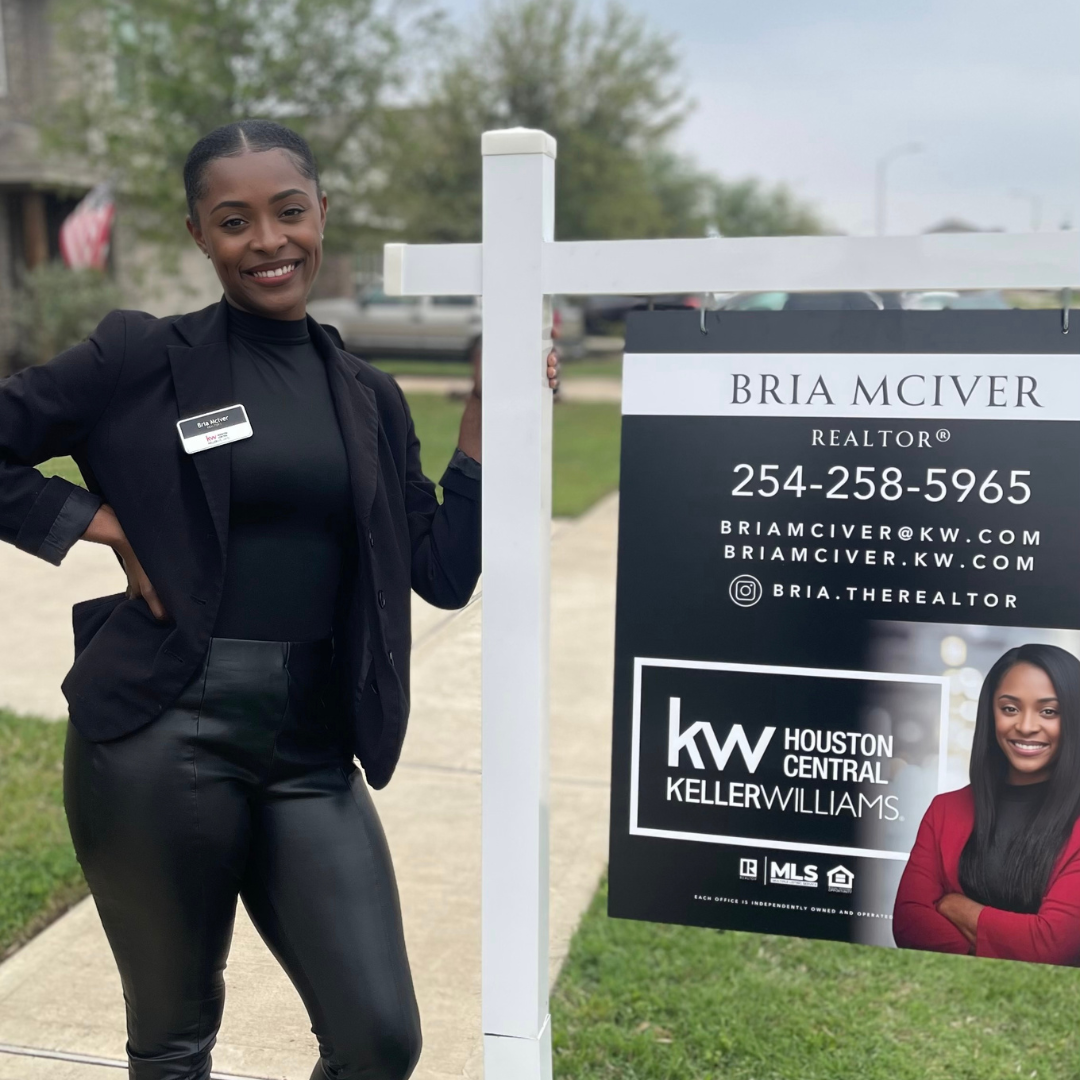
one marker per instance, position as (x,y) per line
(290,521)
(1015,811)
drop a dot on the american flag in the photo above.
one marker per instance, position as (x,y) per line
(84,236)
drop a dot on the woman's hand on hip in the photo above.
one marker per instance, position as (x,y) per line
(105,529)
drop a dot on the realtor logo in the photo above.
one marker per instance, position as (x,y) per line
(840,879)
(748,869)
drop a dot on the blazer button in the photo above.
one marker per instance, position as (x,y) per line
(390,654)
(382,598)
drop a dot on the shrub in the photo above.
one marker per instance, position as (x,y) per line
(59,307)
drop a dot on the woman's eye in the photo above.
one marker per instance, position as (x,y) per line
(293,211)
(232,222)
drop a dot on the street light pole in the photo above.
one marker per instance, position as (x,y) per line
(883,164)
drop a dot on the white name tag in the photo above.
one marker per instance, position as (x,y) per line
(215,428)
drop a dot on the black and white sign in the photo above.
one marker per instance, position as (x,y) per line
(831,526)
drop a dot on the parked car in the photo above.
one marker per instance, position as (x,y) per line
(602,311)
(430,327)
(972,300)
(807,301)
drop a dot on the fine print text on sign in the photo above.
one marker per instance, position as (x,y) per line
(833,526)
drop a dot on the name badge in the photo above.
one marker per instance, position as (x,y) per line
(228,425)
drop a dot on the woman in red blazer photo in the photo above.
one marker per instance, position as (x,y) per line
(995,870)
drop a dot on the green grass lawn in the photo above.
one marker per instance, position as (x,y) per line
(585,463)
(586,452)
(641,1001)
(39,876)
(444,368)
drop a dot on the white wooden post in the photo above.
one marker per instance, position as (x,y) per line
(519,216)
(516,269)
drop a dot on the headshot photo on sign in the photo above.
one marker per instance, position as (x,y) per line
(995,869)
(263,491)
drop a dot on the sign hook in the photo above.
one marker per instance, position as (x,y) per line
(1066,302)
(705,329)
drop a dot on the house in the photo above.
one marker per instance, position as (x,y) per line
(37,191)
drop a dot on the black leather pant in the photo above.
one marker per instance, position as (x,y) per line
(243,788)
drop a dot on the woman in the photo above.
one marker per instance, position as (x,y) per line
(263,491)
(995,870)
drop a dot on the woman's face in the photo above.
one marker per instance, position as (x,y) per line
(261,221)
(1027,722)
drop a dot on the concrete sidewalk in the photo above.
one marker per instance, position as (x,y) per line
(586,388)
(60,995)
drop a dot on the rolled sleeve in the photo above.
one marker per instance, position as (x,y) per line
(59,516)
(462,476)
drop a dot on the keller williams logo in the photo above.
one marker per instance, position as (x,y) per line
(679,740)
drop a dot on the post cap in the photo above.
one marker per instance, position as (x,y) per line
(517,140)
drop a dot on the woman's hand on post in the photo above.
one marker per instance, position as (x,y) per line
(469,434)
(552,369)
(105,529)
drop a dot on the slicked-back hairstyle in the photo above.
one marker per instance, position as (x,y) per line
(244,136)
(1031,855)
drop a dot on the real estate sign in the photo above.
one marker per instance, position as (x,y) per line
(833,525)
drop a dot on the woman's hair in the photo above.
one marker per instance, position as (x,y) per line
(242,137)
(1031,855)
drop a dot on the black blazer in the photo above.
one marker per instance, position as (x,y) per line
(112,403)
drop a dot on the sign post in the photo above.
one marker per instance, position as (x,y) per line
(516,269)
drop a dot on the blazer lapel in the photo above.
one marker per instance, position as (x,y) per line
(202,379)
(358,418)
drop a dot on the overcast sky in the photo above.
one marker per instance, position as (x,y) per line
(813,92)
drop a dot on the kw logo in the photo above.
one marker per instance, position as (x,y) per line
(679,740)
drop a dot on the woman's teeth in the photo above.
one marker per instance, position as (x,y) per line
(1028,747)
(281,271)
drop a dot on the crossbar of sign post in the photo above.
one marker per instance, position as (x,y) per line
(516,268)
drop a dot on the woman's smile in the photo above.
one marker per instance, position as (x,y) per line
(275,273)
(1029,748)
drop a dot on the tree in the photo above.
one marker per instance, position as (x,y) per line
(155,75)
(609,89)
(606,87)
(696,202)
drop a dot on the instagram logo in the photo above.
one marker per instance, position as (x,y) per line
(745,590)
